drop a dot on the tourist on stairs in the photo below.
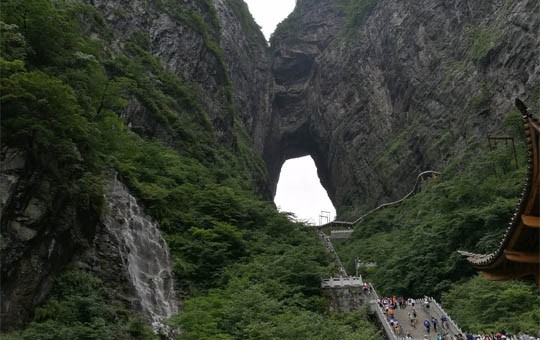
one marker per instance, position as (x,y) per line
(412,319)
(444,322)
(434,322)
(427,325)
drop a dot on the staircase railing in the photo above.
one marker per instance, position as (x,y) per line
(375,307)
(439,311)
(330,247)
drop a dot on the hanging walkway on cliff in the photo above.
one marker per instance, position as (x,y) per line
(421,176)
(336,227)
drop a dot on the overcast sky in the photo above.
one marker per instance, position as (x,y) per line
(269,13)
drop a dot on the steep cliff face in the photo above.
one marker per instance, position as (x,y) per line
(182,66)
(186,36)
(247,57)
(124,247)
(297,45)
(396,87)
(41,232)
(214,46)
(375,91)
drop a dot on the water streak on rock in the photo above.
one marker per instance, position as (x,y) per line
(144,254)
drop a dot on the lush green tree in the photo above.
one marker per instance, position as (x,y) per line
(250,272)
(480,306)
(51,35)
(78,309)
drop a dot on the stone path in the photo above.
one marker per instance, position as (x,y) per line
(418,332)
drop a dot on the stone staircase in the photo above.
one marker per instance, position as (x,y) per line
(418,331)
(346,294)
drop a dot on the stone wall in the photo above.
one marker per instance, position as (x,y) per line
(344,299)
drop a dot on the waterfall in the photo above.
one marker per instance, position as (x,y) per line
(144,254)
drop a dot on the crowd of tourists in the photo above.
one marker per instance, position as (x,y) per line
(431,325)
(499,335)
(390,304)
(468,336)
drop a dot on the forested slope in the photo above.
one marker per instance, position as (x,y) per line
(467,207)
(164,96)
(245,270)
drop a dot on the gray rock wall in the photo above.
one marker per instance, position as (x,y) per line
(40,232)
(377,103)
(247,57)
(175,38)
(344,300)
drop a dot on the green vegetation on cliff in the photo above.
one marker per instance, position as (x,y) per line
(479,306)
(80,308)
(415,244)
(358,12)
(249,272)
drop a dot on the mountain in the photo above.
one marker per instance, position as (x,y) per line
(378,91)
(177,116)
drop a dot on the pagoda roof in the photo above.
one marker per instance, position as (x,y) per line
(517,255)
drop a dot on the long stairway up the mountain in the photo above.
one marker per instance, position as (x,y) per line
(344,283)
(346,286)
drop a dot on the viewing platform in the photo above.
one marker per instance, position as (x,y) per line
(341,234)
(342,282)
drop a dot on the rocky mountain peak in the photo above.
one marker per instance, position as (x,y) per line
(378,91)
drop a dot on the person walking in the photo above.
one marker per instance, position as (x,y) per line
(412,320)
(434,323)
(391,313)
(444,322)
(427,325)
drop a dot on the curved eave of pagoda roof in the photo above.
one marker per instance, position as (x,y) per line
(484,261)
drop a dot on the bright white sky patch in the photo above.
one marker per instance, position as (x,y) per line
(299,191)
(269,13)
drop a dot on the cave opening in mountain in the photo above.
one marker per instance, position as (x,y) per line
(299,191)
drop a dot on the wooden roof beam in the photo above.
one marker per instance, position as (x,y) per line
(522,257)
(531,221)
(516,271)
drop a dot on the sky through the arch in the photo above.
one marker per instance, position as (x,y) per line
(300,191)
